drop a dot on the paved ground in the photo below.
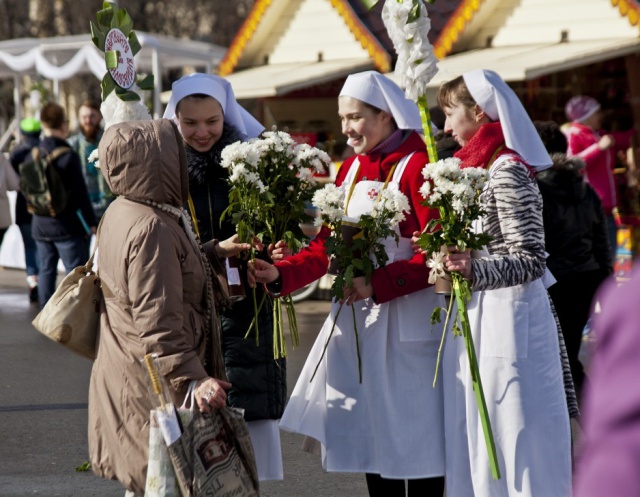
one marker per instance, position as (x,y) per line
(43,413)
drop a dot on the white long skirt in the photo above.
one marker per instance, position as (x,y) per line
(390,424)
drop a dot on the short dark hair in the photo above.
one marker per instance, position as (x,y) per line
(52,116)
(552,136)
(91,103)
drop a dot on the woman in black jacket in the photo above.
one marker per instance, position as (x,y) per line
(209,119)
(576,240)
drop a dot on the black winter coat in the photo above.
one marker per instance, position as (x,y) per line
(574,221)
(68,223)
(259,382)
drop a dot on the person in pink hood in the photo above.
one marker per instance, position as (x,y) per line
(586,139)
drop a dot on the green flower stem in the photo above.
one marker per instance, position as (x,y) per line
(442,340)
(255,317)
(326,344)
(255,304)
(423,105)
(355,327)
(293,320)
(279,343)
(460,288)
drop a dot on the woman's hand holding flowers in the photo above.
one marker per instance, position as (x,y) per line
(460,262)
(359,290)
(261,272)
(279,251)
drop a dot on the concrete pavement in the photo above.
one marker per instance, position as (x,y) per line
(43,412)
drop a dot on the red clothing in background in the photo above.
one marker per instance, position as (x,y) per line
(582,141)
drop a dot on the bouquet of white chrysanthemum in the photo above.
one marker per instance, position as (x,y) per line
(455,192)
(355,246)
(272,180)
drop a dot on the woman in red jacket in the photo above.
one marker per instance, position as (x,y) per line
(390,426)
(585,139)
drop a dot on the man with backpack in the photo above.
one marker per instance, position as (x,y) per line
(30,129)
(62,229)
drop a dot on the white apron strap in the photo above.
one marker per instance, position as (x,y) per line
(402,165)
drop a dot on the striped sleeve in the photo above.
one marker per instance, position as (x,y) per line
(513,218)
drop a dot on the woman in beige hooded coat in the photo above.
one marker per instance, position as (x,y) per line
(159,298)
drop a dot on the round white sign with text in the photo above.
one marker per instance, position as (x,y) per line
(124,74)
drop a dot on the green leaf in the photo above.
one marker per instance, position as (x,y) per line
(85,466)
(127,95)
(414,13)
(146,83)
(369,4)
(125,22)
(134,43)
(107,85)
(97,36)
(104,17)
(436,315)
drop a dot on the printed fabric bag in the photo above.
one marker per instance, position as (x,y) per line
(71,317)
(161,478)
(214,454)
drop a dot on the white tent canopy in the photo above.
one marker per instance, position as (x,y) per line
(60,58)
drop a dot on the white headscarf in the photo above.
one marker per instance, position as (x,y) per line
(375,89)
(220,89)
(500,103)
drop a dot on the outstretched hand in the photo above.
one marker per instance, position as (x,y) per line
(232,246)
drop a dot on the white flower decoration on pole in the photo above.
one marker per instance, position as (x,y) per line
(408,25)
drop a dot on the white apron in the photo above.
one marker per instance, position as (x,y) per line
(391,423)
(516,342)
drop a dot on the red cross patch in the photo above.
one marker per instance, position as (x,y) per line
(372,193)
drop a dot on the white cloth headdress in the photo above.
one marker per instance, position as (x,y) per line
(220,89)
(375,89)
(500,103)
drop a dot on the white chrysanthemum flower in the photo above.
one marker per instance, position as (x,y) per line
(232,154)
(306,175)
(425,189)
(391,205)
(330,201)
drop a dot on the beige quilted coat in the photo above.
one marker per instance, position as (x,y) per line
(155,296)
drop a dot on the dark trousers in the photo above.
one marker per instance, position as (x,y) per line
(572,297)
(424,487)
(30,249)
(73,251)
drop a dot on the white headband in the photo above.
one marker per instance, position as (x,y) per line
(375,89)
(219,89)
(500,103)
